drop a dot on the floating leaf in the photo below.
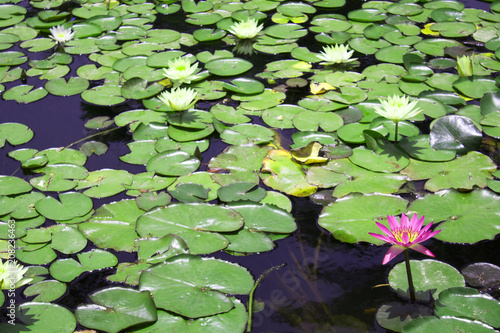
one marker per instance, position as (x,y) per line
(15,134)
(70,205)
(465,217)
(455,132)
(196,223)
(443,276)
(353,225)
(116,309)
(195,280)
(281,172)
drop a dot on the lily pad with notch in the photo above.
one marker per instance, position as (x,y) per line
(205,281)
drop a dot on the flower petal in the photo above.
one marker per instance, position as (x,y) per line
(393,222)
(422,249)
(392,253)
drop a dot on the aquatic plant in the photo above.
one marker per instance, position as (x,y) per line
(465,65)
(12,274)
(336,54)
(181,71)
(60,34)
(179,99)
(407,235)
(246,29)
(397,108)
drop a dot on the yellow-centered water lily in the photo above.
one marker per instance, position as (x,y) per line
(12,275)
(246,29)
(179,99)
(181,71)
(60,34)
(407,235)
(336,55)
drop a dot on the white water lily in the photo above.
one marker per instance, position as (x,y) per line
(60,34)
(12,274)
(336,55)
(398,108)
(246,29)
(179,99)
(465,66)
(181,71)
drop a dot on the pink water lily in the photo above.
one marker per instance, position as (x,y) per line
(408,235)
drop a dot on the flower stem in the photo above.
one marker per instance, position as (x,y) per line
(396,136)
(408,273)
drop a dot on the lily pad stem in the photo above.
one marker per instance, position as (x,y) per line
(396,136)
(91,136)
(250,296)
(408,273)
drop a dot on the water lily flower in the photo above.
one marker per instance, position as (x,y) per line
(181,71)
(179,99)
(397,108)
(407,235)
(465,66)
(60,34)
(12,274)
(246,29)
(336,55)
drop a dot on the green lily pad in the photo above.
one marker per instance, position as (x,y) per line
(116,309)
(71,204)
(113,225)
(67,239)
(46,291)
(454,29)
(247,133)
(466,217)
(104,183)
(281,172)
(419,147)
(241,191)
(93,147)
(45,314)
(475,86)
(443,275)
(349,178)
(188,192)
(395,315)
(103,95)
(265,218)
(465,172)
(59,177)
(243,163)
(204,281)
(138,88)
(196,223)
(468,303)
(228,66)
(450,324)
(24,94)
(353,225)
(244,86)
(15,134)
(173,163)
(60,87)
(455,132)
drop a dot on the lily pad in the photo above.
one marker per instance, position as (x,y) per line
(455,132)
(15,134)
(443,275)
(353,225)
(196,223)
(228,66)
(195,280)
(116,309)
(465,217)
(70,205)
(113,225)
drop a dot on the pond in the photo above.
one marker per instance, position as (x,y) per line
(135,211)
